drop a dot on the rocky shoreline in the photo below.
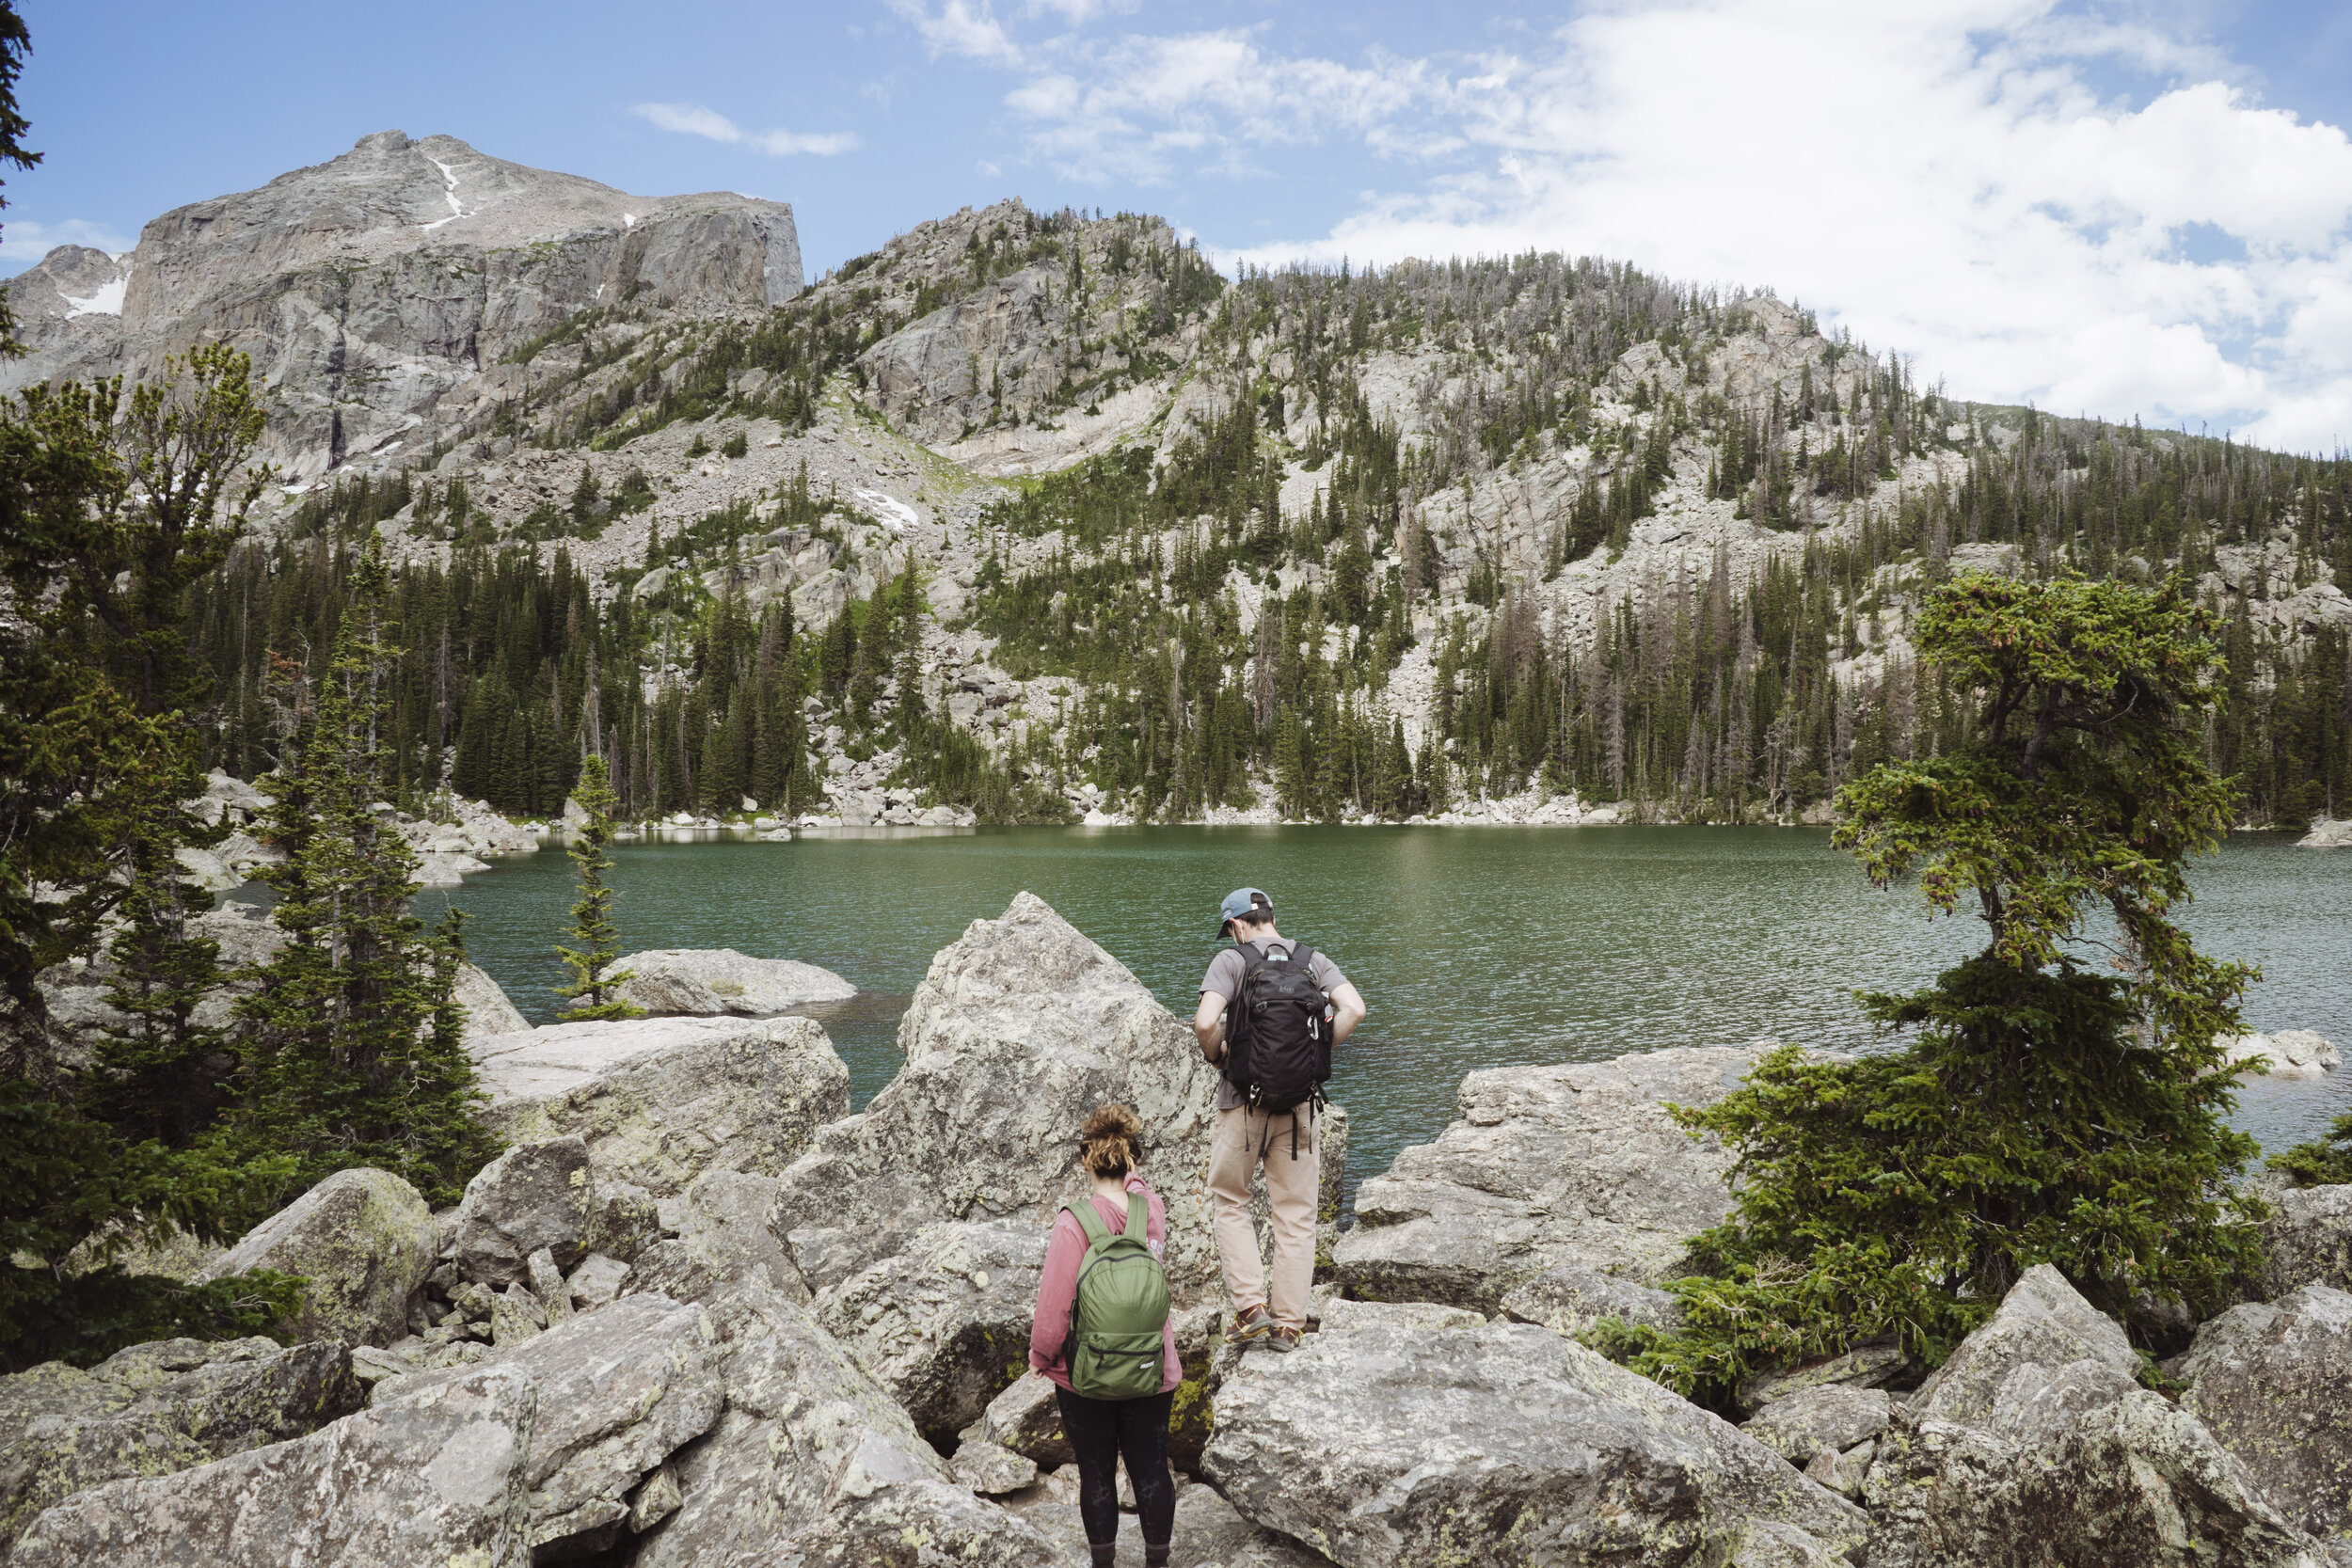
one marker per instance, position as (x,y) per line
(697,1314)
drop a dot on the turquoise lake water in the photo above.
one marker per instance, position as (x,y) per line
(1473,946)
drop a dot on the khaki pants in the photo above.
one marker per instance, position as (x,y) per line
(1292,1186)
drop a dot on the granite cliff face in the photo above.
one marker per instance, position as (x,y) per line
(382,293)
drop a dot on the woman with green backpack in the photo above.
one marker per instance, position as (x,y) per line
(1102,1333)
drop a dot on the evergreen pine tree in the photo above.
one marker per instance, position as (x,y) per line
(591,993)
(356,1053)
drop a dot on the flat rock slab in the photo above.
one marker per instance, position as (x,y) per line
(710,982)
(1382,1442)
(1550,1168)
(440,1481)
(363,1239)
(157,1408)
(662,1100)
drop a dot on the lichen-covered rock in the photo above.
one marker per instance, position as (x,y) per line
(1020,1029)
(694,982)
(156,1408)
(662,1100)
(944,1325)
(438,1481)
(722,1235)
(1569,1301)
(1865,1365)
(621,1388)
(1550,1167)
(1831,1415)
(2043,1357)
(364,1239)
(2135,1481)
(2033,1446)
(535,1195)
(1384,1442)
(989,1470)
(1024,1420)
(815,1463)
(1208,1534)
(2307,1239)
(2273,1382)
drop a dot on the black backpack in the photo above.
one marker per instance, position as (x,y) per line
(1278,1050)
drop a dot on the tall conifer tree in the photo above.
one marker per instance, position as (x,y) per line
(355,1053)
(593,993)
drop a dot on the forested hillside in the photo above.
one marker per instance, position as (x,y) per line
(1308,543)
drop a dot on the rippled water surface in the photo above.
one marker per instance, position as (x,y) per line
(1474,947)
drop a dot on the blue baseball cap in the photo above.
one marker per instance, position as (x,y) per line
(1239,902)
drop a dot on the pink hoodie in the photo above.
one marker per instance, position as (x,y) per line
(1058,1292)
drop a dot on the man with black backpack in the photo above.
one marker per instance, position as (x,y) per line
(1271,1009)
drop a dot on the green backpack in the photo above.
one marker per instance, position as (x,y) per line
(1114,1351)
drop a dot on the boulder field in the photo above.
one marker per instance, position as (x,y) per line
(696,1315)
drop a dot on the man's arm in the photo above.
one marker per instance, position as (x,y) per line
(1208,1025)
(1347,1010)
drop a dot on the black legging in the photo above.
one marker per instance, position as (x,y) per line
(1102,1432)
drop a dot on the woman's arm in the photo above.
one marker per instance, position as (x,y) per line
(1057,1292)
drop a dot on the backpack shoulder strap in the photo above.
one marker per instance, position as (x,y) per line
(1303,959)
(1088,1221)
(1139,1216)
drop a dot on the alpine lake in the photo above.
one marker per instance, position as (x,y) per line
(1474,947)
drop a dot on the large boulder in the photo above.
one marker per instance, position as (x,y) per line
(156,1408)
(2043,1355)
(2288,1053)
(2273,1382)
(720,1237)
(673,981)
(2307,1239)
(944,1325)
(2034,1446)
(814,1462)
(440,1481)
(662,1100)
(1550,1167)
(1834,1416)
(2138,1480)
(488,1009)
(1020,1029)
(364,1239)
(1390,1437)
(534,1196)
(621,1388)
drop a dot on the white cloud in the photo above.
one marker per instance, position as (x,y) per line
(1139,106)
(694,120)
(1942,178)
(25,241)
(962,29)
(1954,179)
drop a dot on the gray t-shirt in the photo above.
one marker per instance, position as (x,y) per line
(1224,979)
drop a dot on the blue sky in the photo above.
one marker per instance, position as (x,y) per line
(2121,210)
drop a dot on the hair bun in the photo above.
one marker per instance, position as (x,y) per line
(1111,1142)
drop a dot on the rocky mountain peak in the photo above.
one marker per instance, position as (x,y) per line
(371,288)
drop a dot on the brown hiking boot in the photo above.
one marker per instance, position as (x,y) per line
(1250,1323)
(1284,1340)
